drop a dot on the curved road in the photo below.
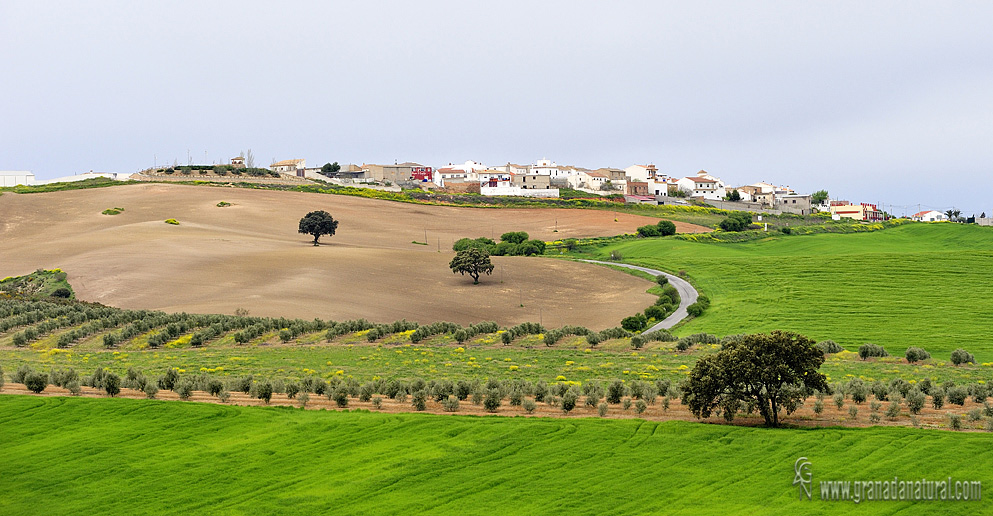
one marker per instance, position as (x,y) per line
(687,294)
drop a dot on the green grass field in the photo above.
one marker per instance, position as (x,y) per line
(118,456)
(926,285)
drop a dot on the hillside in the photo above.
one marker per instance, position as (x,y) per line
(921,284)
(249,255)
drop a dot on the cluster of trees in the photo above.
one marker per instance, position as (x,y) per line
(667,303)
(513,243)
(737,221)
(663,228)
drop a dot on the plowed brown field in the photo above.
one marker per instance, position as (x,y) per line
(250,256)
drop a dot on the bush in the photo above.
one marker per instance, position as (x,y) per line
(2,379)
(868,350)
(615,391)
(515,237)
(829,346)
(736,221)
(957,395)
(893,411)
(150,390)
(662,280)
(640,406)
(666,228)
(858,390)
(637,342)
(340,397)
(916,354)
(377,402)
(492,401)
(36,382)
(174,222)
(961,356)
(263,391)
(955,421)
(635,323)
(62,292)
(937,399)
(818,407)
(450,404)
(569,401)
(695,309)
(529,405)
(419,400)
(184,388)
(112,384)
(648,231)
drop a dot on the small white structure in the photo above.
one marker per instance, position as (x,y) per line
(658,188)
(702,185)
(520,192)
(494,179)
(293,167)
(930,216)
(84,176)
(641,172)
(16,177)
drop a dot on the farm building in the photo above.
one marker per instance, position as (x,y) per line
(930,216)
(16,177)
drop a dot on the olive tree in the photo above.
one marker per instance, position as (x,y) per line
(773,371)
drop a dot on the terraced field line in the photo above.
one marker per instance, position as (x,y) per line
(687,294)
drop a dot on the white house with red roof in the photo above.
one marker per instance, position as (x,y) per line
(702,185)
(930,216)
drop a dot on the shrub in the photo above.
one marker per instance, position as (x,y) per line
(450,404)
(514,237)
(853,411)
(615,391)
(419,400)
(954,421)
(915,400)
(593,339)
(839,400)
(957,395)
(648,231)
(168,381)
(36,382)
(829,346)
(818,407)
(961,356)
(263,391)
(222,204)
(62,293)
(637,341)
(601,409)
(292,388)
(666,228)
(150,390)
(937,399)
(656,312)
(569,401)
(340,397)
(492,401)
(975,414)
(529,405)
(224,396)
(626,403)
(695,309)
(73,387)
(616,256)
(893,411)
(868,350)
(184,388)
(516,398)
(635,323)
(662,280)
(916,354)
(377,402)
(640,406)
(174,222)
(112,384)
(858,390)
(736,221)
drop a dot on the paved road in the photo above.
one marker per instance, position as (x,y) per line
(687,294)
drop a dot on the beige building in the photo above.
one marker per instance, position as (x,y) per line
(531,181)
(293,167)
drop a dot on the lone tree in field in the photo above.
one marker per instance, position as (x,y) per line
(774,371)
(318,223)
(472,261)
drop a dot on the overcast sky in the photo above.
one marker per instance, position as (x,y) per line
(873,101)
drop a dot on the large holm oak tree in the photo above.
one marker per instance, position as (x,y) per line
(472,261)
(318,223)
(775,371)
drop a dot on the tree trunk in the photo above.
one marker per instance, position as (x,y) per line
(475,278)
(764,410)
(315,240)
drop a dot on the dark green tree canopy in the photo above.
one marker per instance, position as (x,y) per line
(330,169)
(819,197)
(776,371)
(733,195)
(737,221)
(472,261)
(318,223)
(515,237)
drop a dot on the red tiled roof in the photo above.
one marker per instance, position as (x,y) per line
(701,180)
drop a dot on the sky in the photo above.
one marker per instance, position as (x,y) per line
(882,102)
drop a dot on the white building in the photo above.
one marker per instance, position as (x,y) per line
(641,172)
(16,177)
(930,216)
(494,179)
(703,185)
(658,188)
(293,167)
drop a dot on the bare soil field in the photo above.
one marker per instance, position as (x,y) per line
(249,255)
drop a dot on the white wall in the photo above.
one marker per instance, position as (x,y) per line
(520,192)
(16,177)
